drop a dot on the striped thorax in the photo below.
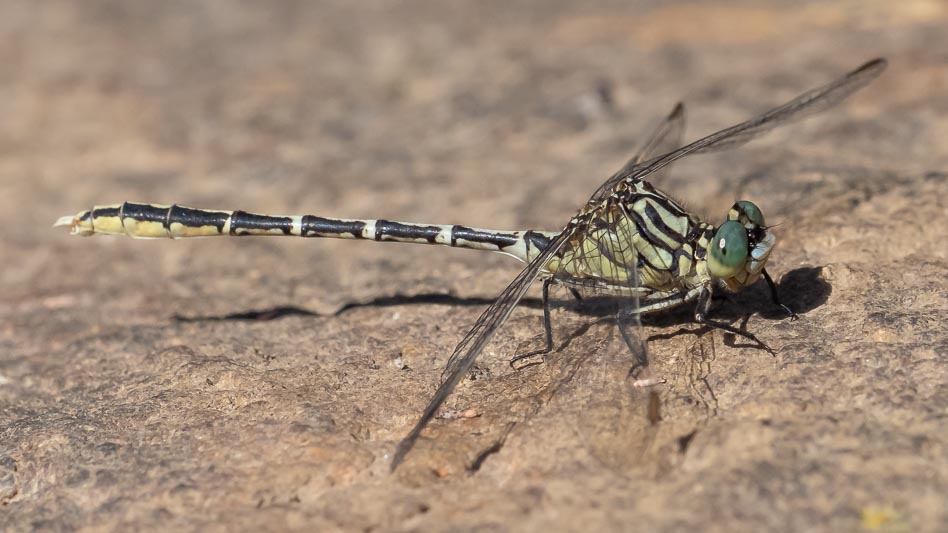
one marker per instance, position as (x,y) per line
(639,240)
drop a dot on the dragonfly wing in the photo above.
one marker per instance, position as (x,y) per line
(471,345)
(666,137)
(606,410)
(808,103)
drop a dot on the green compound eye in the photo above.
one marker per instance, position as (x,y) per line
(752,211)
(728,250)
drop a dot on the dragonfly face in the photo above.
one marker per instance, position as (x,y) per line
(740,247)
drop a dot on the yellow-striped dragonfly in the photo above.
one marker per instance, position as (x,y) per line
(630,240)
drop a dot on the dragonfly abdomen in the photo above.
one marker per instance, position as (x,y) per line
(155,221)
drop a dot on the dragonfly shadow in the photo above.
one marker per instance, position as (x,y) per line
(271,313)
(802,289)
(397,300)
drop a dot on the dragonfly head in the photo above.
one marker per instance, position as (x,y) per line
(740,247)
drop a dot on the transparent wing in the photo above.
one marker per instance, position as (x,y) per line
(600,401)
(666,137)
(471,345)
(808,103)
(605,406)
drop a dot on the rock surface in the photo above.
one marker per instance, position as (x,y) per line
(242,384)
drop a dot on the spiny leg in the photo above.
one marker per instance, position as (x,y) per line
(627,320)
(776,299)
(547,330)
(704,302)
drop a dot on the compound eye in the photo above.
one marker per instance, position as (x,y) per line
(728,250)
(752,211)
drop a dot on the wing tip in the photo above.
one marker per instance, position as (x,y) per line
(876,66)
(398,457)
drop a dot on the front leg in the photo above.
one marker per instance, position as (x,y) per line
(701,317)
(773,295)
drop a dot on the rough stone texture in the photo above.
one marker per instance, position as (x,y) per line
(237,384)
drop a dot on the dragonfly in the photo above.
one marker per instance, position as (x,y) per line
(630,240)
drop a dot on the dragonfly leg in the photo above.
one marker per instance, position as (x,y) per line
(704,303)
(627,322)
(547,330)
(776,299)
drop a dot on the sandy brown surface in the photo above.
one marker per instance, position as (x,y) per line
(263,383)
